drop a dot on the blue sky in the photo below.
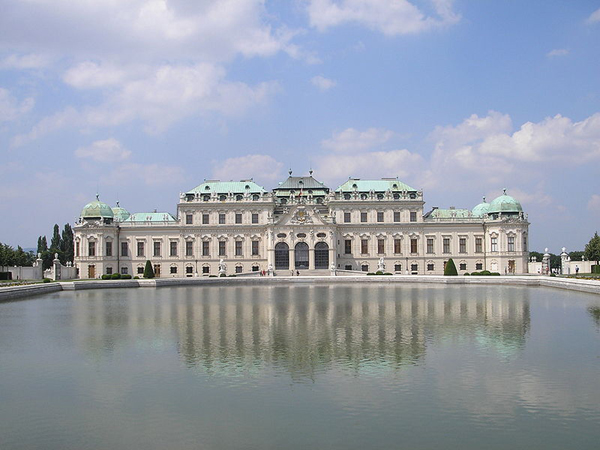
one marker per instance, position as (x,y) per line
(142,99)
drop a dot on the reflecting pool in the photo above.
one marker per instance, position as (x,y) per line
(298,367)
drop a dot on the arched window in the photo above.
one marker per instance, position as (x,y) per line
(301,255)
(321,255)
(282,256)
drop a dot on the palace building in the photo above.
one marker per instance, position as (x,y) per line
(302,225)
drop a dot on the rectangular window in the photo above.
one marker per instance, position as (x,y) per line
(478,266)
(91,249)
(348,247)
(446,243)
(189,270)
(77,249)
(397,245)
(189,248)
(364,246)
(140,249)
(478,245)
(462,245)
(346,217)
(221,218)
(524,243)
(380,246)
(430,267)
(494,244)
(238,269)
(109,271)
(238,248)
(396,216)
(430,245)
(205,248)
(124,271)
(205,270)
(462,266)
(254,248)
(364,267)
(414,267)
(397,267)
(221,248)
(205,219)
(413,216)
(363,216)
(124,249)
(189,219)
(413,245)
(238,217)
(109,249)
(347,267)
(140,270)
(173,248)
(254,217)
(511,243)
(379,216)
(254,268)
(156,248)
(173,269)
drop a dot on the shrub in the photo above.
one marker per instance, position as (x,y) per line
(105,277)
(135,278)
(466,274)
(212,276)
(379,272)
(47,280)
(116,276)
(148,270)
(552,274)
(370,273)
(222,275)
(496,274)
(126,277)
(231,275)
(596,269)
(387,273)
(450,269)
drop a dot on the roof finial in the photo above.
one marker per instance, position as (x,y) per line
(117,203)
(290,171)
(504,190)
(484,199)
(310,172)
(97,196)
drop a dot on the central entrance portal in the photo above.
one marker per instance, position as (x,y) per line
(282,256)
(301,255)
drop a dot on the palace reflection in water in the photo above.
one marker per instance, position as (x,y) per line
(302,330)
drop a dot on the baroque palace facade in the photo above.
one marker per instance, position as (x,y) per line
(302,225)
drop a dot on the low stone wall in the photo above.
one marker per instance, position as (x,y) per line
(589,286)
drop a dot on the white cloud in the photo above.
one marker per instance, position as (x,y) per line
(322,83)
(109,150)
(557,52)
(401,163)
(11,108)
(30,61)
(157,96)
(244,167)
(390,17)
(143,30)
(594,17)
(594,203)
(352,141)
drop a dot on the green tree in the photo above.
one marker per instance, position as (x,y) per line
(42,244)
(592,249)
(576,256)
(55,241)
(148,270)
(450,269)
(66,244)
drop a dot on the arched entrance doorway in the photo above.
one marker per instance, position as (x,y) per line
(321,255)
(282,256)
(301,252)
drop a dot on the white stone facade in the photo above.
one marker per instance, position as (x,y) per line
(299,226)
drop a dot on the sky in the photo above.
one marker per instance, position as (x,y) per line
(139,100)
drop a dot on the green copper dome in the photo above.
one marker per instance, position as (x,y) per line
(120,214)
(505,204)
(481,209)
(96,210)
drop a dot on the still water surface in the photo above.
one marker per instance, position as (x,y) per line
(298,367)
